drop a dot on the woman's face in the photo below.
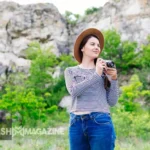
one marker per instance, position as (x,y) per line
(91,48)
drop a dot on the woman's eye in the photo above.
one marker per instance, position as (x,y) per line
(93,44)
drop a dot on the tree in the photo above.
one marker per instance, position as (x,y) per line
(121,52)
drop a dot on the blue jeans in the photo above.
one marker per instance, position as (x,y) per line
(94,131)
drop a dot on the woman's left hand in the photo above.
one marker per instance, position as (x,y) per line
(112,72)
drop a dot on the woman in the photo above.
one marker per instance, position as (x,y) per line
(90,126)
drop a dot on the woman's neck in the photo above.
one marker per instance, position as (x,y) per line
(87,66)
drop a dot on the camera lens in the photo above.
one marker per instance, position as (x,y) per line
(110,64)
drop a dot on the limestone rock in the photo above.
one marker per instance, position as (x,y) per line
(131,18)
(20,25)
(66,102)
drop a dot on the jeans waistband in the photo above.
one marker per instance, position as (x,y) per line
(90,115)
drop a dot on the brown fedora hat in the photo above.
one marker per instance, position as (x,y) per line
(81,36)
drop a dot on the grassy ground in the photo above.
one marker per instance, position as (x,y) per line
(60,141)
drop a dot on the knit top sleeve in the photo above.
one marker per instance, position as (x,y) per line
(112,94)
(76,89)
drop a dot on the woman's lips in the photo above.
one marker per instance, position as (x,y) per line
(95,52)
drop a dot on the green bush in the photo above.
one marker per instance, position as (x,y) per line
(130,93)
(42,68)
(91,10)
(144,60)
(131,119)
(32,97)
(71,18)
(131,124)
(27,97)
(121,52)
(24,105)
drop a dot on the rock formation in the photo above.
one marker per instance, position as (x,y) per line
(20,25)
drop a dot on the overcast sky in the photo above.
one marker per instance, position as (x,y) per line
(75,6)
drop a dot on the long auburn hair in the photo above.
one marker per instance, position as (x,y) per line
(82,44)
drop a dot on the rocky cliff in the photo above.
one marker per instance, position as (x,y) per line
(19,25)
(131,18)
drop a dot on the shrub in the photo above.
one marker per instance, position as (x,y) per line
(91,10)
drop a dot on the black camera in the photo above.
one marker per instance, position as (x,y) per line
(110,63)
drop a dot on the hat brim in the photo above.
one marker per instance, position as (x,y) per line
(79,39)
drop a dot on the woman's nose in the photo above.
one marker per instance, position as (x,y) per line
(96,47)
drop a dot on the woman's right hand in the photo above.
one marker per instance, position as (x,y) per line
(100,66)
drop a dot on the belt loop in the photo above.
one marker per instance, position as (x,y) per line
(91,116)
(72,115)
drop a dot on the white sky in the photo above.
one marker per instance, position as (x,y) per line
(75,6)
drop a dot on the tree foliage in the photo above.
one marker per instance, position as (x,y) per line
(26,98)
(71,18)
(124,53)
(91,10)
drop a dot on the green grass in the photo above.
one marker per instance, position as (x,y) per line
(132,144)
(38,142)
(60,142)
